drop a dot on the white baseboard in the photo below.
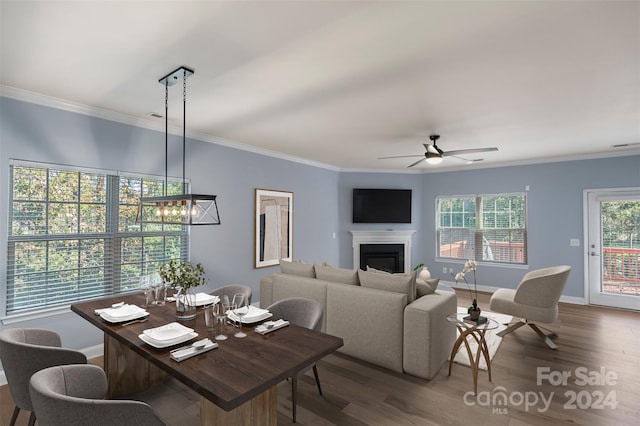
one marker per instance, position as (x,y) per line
(90,352)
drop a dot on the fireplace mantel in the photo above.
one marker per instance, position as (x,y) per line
(382,237)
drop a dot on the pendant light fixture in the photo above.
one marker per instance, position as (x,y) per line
(183,209)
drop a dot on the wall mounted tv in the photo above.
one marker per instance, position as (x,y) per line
(381,205)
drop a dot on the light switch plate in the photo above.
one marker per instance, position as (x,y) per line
(574,242)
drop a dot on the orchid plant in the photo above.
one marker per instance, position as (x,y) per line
(469,266)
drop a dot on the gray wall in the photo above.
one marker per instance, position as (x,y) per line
(37,133)
(554,211)
(322,199)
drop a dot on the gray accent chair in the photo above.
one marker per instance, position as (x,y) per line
(535,299)
(71,395)
(231,289)
(24,351)
(304,313)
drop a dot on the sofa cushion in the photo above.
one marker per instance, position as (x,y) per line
(424,287)
(337,275)
(398,283)
(298,268)
(285,286)
(370,321)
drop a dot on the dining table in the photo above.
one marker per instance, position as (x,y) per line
(237,381)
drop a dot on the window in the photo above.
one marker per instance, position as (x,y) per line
(489,228)
(73,236)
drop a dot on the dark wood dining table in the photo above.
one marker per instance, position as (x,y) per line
(236,381)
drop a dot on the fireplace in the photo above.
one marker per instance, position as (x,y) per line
(390,250)
(385,257)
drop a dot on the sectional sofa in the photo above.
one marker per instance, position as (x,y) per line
(391,320)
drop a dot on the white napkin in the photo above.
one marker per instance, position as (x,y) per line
(269,326)
(120,311)
(114,306)
(190,351)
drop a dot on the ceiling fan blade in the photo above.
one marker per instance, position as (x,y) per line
(401,156)
(417,162)
(468,151)
(467,160)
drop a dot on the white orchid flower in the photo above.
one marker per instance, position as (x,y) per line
(460,276)
(470,265)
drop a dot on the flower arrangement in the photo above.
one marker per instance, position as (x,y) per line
(469,266)
(183,274)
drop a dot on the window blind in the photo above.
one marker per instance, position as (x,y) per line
(489,228)
(73,236)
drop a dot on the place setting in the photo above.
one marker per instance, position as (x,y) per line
(122,313)
(173,334)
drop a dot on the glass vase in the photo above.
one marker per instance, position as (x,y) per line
(186,305)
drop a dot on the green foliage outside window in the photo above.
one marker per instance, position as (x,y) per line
(73,235)
(490,228)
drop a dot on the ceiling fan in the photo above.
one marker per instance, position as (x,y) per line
(434,155)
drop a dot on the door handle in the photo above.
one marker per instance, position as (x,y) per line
(593,253)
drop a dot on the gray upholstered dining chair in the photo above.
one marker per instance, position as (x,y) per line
(23,351)
(71,395)
(304,313)
(231,289)
(535,299)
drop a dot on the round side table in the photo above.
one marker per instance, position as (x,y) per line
(477,332)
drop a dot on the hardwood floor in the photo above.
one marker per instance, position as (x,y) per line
(591,340)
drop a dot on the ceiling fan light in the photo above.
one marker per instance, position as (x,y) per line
(433,158)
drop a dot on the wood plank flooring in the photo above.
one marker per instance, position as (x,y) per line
(357,393)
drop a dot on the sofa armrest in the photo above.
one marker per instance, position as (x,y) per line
(428,336)
(266,291)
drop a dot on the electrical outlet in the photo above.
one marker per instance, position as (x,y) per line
(451,270)
(444,269)
(574,242)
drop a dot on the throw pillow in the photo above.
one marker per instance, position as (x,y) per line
(337,275)
(399,283)
(424,287)
(298,268)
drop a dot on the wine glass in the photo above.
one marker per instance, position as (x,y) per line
(219,316)
(145,286)
(240,301)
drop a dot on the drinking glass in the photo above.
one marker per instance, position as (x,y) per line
(219,316)
(227,307)
(209,318)
(240,301)
(145,286)
(159,289)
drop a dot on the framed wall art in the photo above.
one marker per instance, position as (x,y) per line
(273,227)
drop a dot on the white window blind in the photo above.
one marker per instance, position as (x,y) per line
(489,228)
(73,236)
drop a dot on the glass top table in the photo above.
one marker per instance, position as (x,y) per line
(466,329)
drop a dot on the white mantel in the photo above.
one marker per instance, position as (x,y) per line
(382,237)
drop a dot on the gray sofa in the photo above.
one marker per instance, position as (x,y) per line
(382,318)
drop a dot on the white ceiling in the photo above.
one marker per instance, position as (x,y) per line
(342,83)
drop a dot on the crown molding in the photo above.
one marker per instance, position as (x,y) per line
(154,124)
(146,123)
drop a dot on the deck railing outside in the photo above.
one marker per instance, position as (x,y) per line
(621,265)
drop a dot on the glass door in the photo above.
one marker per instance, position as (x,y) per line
(613,248)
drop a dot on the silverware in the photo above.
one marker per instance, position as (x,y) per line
(134,321)
(197,345)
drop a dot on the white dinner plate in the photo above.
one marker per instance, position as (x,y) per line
(123,318)
(202,299)
(253,315)
(168,332)
(160,345)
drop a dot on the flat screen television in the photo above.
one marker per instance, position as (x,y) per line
(381,205)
